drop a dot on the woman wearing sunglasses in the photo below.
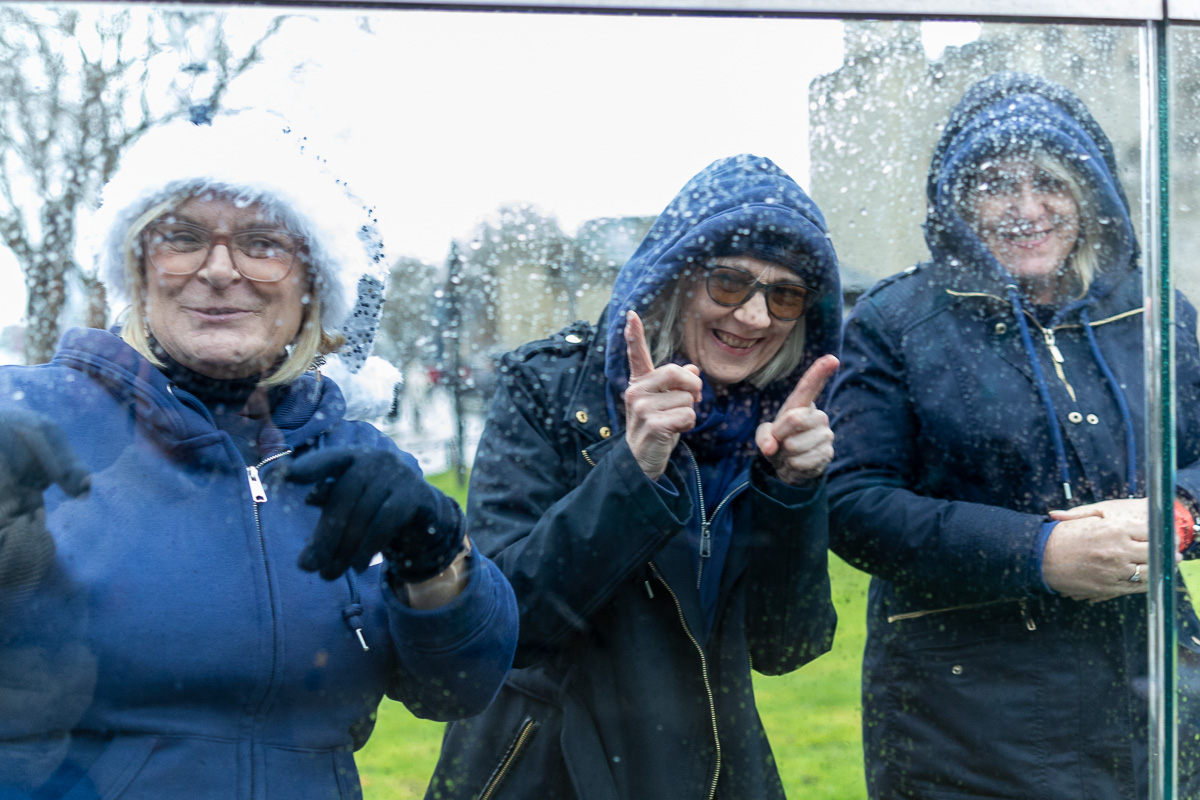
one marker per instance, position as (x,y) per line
(190,611)
(990,424)
(653,486)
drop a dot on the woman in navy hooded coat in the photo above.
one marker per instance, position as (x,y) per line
(989,420)
(658,503)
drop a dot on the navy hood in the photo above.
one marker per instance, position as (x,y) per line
(1012,113)
(741,205)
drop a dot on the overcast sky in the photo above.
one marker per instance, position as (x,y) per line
(438,118)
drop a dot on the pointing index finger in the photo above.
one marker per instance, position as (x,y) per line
(809,387)
(640,362)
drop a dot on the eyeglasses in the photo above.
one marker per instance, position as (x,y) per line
(265,255)
(729,286)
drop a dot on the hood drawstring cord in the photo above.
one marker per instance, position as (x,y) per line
(353,611)
(1060,450)
(1126,417)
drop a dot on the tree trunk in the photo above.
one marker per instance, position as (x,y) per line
(97,303)
(47,294)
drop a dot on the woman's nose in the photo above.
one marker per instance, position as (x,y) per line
(1028,203)
(218,270)
(753,313)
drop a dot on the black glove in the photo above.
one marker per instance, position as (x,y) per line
(34,453)
(373,502)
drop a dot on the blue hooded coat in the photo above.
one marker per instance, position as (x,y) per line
(964,413)
(634,678)
(173,647)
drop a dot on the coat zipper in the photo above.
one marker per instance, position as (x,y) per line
(259,495)
(514,750)
(712,706)
(1048,333)
(706,521)
(1026,617)
(1056,356)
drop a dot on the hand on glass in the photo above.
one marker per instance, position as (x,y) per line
(34,453)
(799,443)
(659,403)
(1096,549)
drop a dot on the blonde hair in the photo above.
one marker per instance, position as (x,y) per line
(664,321)
(310,343)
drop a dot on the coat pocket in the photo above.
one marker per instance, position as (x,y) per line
(516,747)
(963,709)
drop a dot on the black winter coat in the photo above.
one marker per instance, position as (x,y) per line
(976,682)
(619,696)
(979,682)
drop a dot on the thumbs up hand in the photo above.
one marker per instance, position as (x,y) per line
(659,403)
(799,443)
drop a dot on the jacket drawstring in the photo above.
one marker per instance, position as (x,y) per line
(1060,450)
(1126,417)
(353,611)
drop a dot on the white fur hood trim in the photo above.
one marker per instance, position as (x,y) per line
(368,392)
(249,156)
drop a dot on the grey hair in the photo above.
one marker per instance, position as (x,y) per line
(664,321)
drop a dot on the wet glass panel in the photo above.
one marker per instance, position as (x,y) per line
(511,165)
(1184,203)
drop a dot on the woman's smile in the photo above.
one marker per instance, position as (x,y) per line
(737,344)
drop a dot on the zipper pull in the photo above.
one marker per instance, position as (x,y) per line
(256,486)
(705,540)
(649,591)
(1055,353)
(1025,615)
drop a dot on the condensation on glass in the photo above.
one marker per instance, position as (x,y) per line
(516,161)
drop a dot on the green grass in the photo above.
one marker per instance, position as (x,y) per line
(811,716)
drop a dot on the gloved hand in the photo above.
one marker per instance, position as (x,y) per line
(34,453)
(373,502)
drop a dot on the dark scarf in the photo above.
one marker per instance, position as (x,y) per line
(723,439)
(228,401)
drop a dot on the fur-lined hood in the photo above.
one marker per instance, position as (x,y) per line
(254,157)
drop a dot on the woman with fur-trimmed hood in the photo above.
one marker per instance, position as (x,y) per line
(189,603)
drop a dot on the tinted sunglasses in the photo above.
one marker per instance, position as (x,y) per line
(730,286)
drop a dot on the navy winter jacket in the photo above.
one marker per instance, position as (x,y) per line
(959,415)
(620,694)
(174,648)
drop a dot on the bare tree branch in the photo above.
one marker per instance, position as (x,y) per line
(77,93)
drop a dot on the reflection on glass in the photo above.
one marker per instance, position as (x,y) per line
(989,427)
